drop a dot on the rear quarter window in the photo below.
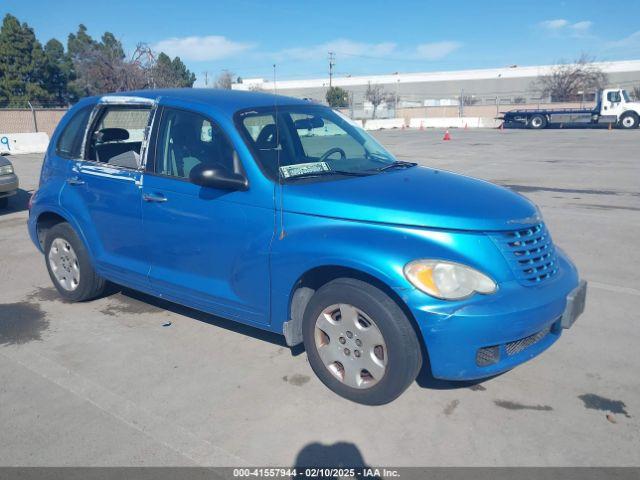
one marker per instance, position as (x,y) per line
(70,141)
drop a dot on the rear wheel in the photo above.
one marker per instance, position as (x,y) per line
(629,120)
(360,343)
(69,265)
(538,122)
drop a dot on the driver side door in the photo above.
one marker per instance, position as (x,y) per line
(209,248)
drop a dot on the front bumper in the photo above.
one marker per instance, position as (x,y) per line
(8,185)
(490,334)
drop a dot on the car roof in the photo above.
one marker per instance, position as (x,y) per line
(230,101)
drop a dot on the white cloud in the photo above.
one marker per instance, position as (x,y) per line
(383,50)
(582,26)
(629,42)
(554,24)
(341,47)
(211,47)
(560,26)
(436,50)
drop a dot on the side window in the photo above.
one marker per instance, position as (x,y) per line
(116,138)
(613,97)
(187,139)
(70,141)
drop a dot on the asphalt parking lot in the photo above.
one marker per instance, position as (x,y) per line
(130,380)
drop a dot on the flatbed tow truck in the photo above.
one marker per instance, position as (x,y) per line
(613,107)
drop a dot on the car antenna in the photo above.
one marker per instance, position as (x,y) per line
(278,148)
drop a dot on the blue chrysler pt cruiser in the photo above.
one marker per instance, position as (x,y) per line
(284,215)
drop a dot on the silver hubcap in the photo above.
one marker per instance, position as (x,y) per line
(351,346)
(627,122)
(536,122)
(64,264)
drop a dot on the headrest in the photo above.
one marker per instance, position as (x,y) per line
(112,135)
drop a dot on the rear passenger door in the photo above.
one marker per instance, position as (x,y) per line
(105,187)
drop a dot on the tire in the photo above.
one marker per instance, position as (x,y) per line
(628,121)
(4,202)
(537,122)
(69,265)
(388,344)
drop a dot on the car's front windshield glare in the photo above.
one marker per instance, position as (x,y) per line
(310,141)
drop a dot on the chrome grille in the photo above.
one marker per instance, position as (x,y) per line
(519,345)
(529,252)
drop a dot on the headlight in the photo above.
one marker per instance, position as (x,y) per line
(6,170)
(447,280)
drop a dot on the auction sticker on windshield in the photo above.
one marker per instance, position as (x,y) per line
(303,169)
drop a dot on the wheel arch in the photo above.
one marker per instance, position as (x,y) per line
(314,278)
(47,219)
(44,222)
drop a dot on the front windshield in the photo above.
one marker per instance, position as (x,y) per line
(305,141)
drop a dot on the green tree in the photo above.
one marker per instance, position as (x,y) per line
(58,73)
(22,62)
(167,73)
(337,97)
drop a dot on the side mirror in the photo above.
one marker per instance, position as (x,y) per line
(217,177)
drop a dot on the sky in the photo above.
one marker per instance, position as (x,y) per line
(247,37)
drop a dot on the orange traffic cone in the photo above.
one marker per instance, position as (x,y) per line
(609,125)
(446,135)
(421,125)
(465,125)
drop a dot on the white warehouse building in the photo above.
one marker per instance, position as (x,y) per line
(512,84)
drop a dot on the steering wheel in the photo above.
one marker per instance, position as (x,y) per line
(331,151)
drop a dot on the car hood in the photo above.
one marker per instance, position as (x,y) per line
(416,196)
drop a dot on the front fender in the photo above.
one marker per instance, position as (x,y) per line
(379,250)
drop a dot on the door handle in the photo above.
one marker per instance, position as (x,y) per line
(75,181)
(158,198)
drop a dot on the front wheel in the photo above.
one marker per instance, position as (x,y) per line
(360,343)
(629,120)
(69,265)
(538,122)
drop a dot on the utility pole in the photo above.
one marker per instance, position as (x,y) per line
(332,63)
(206,78)
(397,92)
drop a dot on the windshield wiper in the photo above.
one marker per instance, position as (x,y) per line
(328,172)
(396,164)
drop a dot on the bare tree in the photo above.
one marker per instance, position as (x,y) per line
(566,80)
(377,95)
(467,100)
(636,93)
(224,80)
